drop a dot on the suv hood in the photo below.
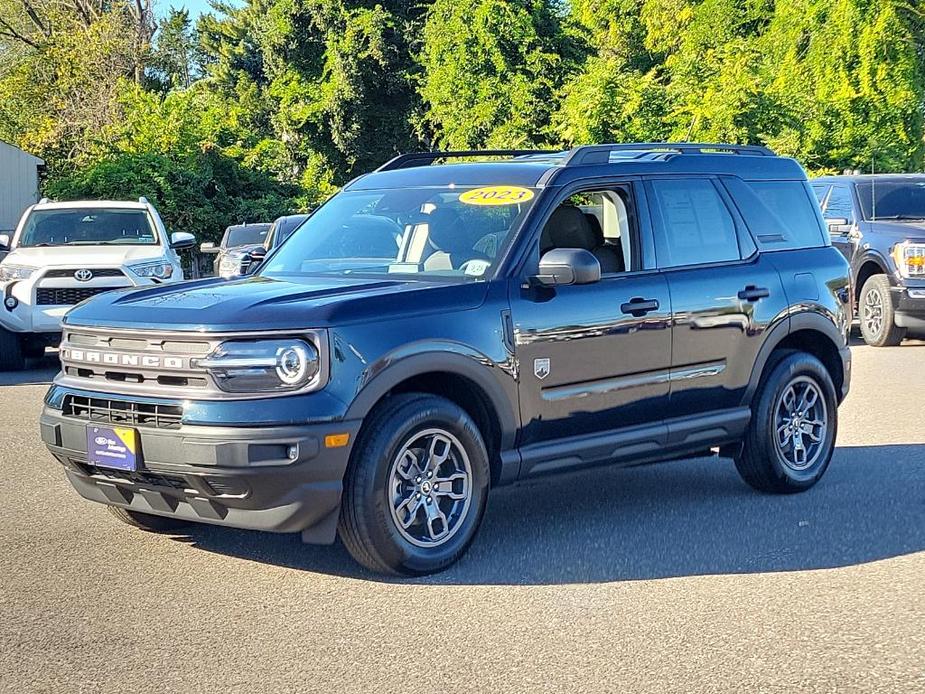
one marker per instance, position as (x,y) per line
(83,256)
(263,303)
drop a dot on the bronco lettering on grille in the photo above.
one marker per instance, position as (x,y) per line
(149,361)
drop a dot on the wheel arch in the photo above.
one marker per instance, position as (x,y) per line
(807,332)
(461,378)
(870,265)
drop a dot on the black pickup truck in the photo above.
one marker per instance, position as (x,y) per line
(437,329)
(878,223)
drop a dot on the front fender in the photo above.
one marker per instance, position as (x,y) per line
(495,379)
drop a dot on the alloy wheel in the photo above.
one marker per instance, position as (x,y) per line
(430,488)
(873,312)
(801,423)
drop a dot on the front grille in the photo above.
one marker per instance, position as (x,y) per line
(48,296)
(123,412)
(97,272)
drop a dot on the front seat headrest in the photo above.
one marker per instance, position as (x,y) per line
(568,227)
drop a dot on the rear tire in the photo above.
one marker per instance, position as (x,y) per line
(416,487)
(147,521)
(11,356)
(791,436)
(875,310)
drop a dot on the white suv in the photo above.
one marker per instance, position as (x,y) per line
(64,252)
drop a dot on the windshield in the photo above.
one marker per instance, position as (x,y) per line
(249,235)
(892,199)
(87,226)
(441,232)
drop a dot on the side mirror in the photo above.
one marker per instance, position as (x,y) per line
(838,226)
(208,247)
(4,242)
(181,240)
(252,260)
(568,266)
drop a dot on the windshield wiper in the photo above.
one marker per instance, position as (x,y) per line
(899,217)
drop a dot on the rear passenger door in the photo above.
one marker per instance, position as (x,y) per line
(724,294)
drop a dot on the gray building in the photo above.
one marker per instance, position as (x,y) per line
(19,184)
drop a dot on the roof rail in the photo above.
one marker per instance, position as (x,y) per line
(143,200)
(600,154)
(43,201)
(407,161)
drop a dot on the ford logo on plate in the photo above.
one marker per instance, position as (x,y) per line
(83,275)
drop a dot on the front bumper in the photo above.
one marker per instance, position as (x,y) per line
(909,307)
(277,479)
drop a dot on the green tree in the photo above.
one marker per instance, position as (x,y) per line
(490,71)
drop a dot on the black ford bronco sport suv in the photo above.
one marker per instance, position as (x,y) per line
(878,223)
(437,329)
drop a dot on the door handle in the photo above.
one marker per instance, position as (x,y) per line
(637,306)
(753,293)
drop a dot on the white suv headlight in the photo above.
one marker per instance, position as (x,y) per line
(161,270)
(262,366)
(910,259)
(9,273)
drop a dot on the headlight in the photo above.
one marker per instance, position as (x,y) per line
(8,273)
(910,258)
(230,265)
(160,270)
(262,366)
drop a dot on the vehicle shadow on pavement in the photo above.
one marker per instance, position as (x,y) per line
(685,518)
(39,372)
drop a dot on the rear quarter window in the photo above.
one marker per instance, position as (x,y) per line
(782,215)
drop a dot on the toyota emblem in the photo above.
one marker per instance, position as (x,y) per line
(83,275)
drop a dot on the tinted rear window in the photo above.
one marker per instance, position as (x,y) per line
(782,215)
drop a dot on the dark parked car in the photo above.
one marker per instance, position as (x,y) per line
(433,331)
(282,229)
(237,241)
(878,223)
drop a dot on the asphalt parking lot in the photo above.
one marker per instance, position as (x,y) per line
(674,577)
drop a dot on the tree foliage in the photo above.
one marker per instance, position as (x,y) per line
(269,105)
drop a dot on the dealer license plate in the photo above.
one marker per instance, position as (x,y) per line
(112,447)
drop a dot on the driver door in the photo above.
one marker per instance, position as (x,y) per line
(594,359)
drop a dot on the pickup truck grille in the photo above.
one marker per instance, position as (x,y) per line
(66,296)
(122,412)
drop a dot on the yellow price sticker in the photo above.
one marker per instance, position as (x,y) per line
(496,195)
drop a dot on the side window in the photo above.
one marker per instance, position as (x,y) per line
(839,205)
(785,216)
(820,190)
(693,224)
(599,221)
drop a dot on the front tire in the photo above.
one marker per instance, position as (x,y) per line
(416,487)
(791,436)
(147,521)
(878,319)
(11,356)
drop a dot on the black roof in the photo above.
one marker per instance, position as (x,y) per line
(543,168)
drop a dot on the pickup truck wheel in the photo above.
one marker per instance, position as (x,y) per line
(416,487)
(147,521)
(878,324)
(791,436)
(11,356)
